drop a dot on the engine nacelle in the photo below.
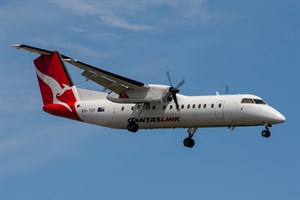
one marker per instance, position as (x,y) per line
(151,93)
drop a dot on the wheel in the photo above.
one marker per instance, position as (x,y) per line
(133,127)
(266,133)
(189,142)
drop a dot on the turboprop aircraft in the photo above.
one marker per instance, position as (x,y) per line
(134,105)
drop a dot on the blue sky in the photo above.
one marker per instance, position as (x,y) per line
(252,46)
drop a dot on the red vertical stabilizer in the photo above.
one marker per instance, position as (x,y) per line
(56,85)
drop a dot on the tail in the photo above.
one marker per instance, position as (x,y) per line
(58,91)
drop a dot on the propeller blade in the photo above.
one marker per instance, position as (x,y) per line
(175,100)
(174,90)
(180,84)
(169,78)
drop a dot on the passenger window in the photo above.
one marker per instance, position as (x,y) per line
(153,108)
(171,107)
(122,108)
(194,105)
(204,106)
(131,107)
(212,105)
(220,105)
(199,106)
(100,109)
(164,107)
(182,106)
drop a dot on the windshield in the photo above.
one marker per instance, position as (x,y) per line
(256,101)
(259,101)
(247,100)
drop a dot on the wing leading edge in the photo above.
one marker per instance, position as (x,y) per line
(114,82)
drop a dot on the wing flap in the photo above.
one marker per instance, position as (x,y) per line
(107,84)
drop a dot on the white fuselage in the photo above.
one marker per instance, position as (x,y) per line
(195,111)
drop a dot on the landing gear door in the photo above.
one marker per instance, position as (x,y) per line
(220,109)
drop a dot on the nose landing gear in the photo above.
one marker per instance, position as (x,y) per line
(266,133)
(189,141)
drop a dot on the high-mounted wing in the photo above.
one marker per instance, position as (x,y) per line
(111,81)
(116,83)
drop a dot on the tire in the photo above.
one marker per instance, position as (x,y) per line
(266,133)
(189,142)
(133,127)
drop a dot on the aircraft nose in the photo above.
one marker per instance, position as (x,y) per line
(277,117)
(270,115)
(280,118)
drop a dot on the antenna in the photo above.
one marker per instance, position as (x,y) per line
(227,89)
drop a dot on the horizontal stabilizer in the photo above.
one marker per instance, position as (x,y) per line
(32,49)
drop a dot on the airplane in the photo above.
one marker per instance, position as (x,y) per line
(134,105)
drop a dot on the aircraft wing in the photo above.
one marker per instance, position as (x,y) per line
(116,83)
(111,81)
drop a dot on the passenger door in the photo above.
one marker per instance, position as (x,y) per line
(220,109)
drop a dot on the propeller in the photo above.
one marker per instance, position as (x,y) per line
(174,90)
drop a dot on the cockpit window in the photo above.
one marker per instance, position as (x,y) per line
(256,101)
(259,101)
(247,100)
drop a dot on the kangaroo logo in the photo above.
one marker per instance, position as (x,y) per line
(57,90)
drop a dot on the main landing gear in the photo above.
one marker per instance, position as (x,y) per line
(133,127)
(266,133)
(189,141)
